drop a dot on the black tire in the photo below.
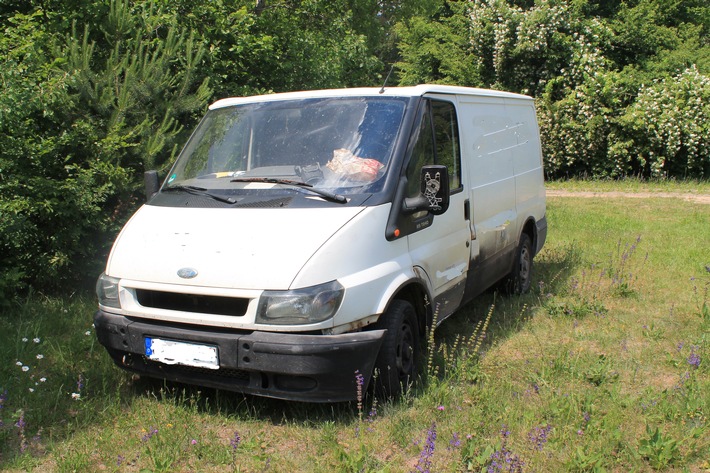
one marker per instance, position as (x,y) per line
(398,359)
(520,278)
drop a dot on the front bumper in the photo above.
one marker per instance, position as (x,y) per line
(312,368)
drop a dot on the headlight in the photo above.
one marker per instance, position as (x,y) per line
(107,291)
(301,306)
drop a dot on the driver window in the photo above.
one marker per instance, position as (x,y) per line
(422,154)
(446,130)
(437,143)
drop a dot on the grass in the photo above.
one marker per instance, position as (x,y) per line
(631,185)
(603,366)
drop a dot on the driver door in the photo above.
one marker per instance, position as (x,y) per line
(440,245)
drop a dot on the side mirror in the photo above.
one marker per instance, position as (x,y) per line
(435,191)
(152,184)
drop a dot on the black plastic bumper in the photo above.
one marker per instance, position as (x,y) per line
(313,368)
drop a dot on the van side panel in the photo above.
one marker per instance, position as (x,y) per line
(527,162)
(487,146)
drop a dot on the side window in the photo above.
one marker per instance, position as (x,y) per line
(446,130)
(423,154)
(439,145)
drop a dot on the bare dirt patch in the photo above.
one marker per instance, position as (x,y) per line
(696,198)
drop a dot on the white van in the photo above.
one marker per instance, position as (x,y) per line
(304,239)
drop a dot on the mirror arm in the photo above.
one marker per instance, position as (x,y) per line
(152,184)
(415,204)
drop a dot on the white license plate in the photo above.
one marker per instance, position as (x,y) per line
(172,352)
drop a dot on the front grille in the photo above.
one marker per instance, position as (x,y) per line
(215,305)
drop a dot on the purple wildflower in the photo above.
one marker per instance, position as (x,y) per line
(455,441)
(694,358)
(235,441)
(149,435)
(20,424)
(120,460)
(80,383)
(504,460)
(359,382)
(504,432)
(424,463)
(372,414)
(587,417)
(538,436)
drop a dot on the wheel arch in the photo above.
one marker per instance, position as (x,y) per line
(530,229)
(416,293)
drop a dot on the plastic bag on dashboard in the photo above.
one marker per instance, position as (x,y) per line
(345,163)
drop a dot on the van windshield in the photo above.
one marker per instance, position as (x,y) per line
(342,144)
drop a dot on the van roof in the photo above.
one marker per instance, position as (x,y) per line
(415,91)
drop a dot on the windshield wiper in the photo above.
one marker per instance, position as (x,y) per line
(302,185)
(199,191)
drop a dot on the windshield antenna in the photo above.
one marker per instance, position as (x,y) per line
(382,90)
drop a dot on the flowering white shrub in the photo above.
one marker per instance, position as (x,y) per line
(596,116)
(526,48)
(671,120)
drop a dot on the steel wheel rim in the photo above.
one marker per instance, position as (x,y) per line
(524,265)
(405,350)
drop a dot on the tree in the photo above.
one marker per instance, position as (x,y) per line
(72,154)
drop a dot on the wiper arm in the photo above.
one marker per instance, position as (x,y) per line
(303,185)
(199,191)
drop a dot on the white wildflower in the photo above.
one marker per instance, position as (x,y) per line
(76,396)
(25,368)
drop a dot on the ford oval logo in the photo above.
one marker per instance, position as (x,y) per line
(187,273)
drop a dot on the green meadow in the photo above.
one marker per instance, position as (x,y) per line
(603,366)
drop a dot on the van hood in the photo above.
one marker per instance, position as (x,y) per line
(227,248)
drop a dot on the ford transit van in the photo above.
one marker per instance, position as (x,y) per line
(303,240)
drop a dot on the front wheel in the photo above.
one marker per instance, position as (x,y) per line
(399,355)
(520,278)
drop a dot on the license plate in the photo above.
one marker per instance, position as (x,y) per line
(173,352)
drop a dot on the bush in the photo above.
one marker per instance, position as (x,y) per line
(78,126)
(611,99)
(669,127)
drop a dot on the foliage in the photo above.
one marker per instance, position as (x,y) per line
(279,46)
(621,89)
(90,121)
(110,89)
(671,122)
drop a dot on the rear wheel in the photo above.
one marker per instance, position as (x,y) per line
(519,279)
(399,355)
